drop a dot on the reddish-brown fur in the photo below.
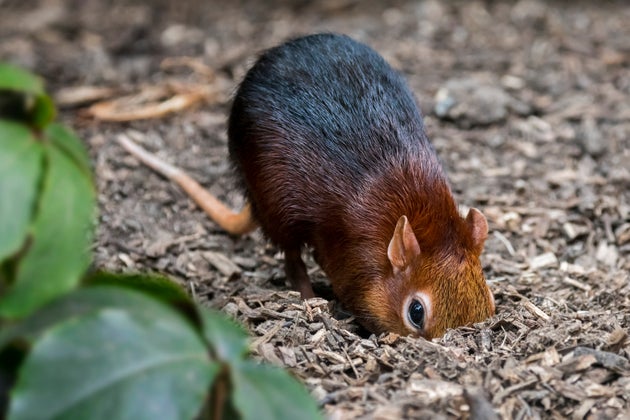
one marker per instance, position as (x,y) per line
(449,268)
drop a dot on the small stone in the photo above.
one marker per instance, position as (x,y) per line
(472,102)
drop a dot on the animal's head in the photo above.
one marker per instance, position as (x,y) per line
(430,291)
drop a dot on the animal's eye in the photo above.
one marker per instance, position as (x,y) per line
(416,314)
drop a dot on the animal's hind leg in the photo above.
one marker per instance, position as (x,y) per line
(295,270)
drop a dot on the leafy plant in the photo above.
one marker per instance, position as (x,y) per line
(102,345)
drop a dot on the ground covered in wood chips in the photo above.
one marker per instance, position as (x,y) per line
(528,105)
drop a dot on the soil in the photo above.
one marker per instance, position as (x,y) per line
(528,106)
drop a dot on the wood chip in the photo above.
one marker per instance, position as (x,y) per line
(608,360)
(547,259)
(480,407)
(222,263)
(535,310)
(576,283)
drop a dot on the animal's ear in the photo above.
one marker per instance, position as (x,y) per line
(478,228)
(403,247)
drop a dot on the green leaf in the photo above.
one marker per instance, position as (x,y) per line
(227,339)
(72,305)
(159,287)
(15,78)
(66,140)
(261,392)
(43,111)
(62,234)
(23,93)
(20,170)
(142,362)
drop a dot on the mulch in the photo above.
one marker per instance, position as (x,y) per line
(528,106)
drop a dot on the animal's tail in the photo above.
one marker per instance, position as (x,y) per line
(232,222)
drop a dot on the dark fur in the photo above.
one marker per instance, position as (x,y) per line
(330,144)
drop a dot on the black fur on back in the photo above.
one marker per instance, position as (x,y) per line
(314,123)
